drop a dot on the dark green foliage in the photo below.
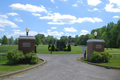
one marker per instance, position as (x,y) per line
(16,41)
(49,47)
(14,56)
(65,49)
(69,47)
(100,57)
(56,49)
(53,47)
(17,57)
(75,44)
(61,45)
(31,58)
(4,40)
(37,40)
(10,40)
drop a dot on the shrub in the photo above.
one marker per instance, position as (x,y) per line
(66,49)
(56,49)
(75,44)
(14,56)
(53,47)
(100,57)
(69,47)
(31,58)
(49,47)
(17,57)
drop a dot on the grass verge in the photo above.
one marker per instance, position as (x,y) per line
(5,68)
(114,62)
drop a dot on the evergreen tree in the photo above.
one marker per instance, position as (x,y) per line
(37,40)
(16,41)
(4,40)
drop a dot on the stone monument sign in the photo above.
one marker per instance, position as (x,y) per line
(26,44)
(95,45)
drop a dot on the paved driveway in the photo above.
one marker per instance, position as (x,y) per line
(65,67)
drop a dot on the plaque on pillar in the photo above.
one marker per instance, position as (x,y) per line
(26,44)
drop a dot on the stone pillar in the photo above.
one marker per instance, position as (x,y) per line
(94,45)
(26,44)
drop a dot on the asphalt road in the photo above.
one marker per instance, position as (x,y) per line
(65,67)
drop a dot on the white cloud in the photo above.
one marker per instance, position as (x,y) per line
(115,2)
(116,17)
(34,14)
(53,27)
(2,30)
(48,30)
(28,7)
(5,22)
(55,33)
(21,33)
(109,8)
(57,23)
(59,19)
(56,7)
(3,16)
(70,29)
(95,9)
(89,19)
(52,1)
(113,6)
(18,19)
(67,34)
(93,2)
(83,32)
(32,33)
(16,30)
(79,1)
(12,14)
(75,5)
(64,0)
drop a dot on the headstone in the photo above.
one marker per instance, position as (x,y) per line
(26,44)
(94,45)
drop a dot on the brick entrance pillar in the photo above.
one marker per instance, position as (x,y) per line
(94,45)
(26,44)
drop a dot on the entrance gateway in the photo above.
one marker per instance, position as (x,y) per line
(26,44)
(95,45)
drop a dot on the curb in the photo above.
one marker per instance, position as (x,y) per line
(108,67)
(23,70)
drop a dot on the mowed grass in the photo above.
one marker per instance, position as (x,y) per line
(5,48)
(43,49)
(114,50)
(5,68)
(114,61)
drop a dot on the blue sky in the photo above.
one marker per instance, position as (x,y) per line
(56,17)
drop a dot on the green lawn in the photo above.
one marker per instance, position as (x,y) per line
(5,68)
(114,61)
(5,48)
(114,50)
(43,49)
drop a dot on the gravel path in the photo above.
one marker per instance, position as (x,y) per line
(65,67)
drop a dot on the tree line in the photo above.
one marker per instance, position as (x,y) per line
(110,33)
